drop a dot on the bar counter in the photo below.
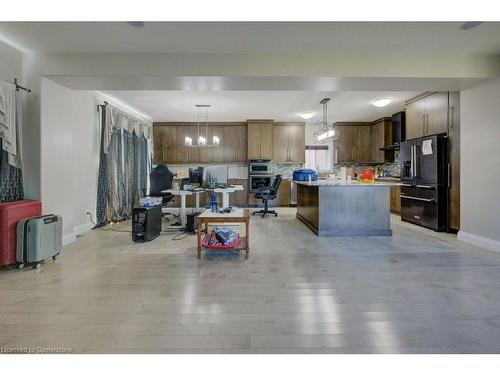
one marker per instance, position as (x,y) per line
(335,209)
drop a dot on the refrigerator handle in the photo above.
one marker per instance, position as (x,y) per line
(416,161)
(417,198)
(449,175)
(411,162)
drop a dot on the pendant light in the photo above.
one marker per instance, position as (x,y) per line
(202,139)
(326,131)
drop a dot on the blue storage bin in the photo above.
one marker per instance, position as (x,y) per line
(303,175)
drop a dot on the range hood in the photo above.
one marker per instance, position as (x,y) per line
(398,131)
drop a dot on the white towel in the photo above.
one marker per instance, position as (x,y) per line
(9,123)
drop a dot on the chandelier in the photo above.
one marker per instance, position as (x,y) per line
(202,139)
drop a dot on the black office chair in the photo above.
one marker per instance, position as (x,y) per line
(268,194)
(161,179)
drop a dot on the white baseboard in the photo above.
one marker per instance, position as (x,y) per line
(68,238)
(82,228)
(474,239)
(79,229)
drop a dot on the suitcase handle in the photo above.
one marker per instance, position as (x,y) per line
(47,219)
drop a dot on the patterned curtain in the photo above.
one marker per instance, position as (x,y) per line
(123,168)
(11,179)
(102,178)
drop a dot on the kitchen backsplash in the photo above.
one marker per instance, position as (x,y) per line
(286,169)
(390,169)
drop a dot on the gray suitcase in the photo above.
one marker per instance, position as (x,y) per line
(38,238)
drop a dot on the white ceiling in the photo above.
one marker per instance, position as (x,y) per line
(243,105)
(253,37)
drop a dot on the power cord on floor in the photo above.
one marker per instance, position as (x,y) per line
(106,229)
(184,234)
(177,237)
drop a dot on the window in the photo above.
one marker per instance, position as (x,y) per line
(318,158)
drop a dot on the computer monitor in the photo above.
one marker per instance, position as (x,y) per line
(216,172)
(196,175)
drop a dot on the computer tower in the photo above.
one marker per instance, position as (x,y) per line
(191,224)
(146,223)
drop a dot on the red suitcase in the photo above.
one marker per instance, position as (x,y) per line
(10,214)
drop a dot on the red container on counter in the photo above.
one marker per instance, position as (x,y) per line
(367,176)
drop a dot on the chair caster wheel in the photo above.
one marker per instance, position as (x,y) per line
(37,266)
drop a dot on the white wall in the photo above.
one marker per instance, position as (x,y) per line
(10,63)
(69,155)
(480,165)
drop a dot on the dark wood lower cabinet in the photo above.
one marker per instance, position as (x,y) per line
(282,198)
(308,204)
(396,199)
(239,198)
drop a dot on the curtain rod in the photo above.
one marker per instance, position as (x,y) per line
(102,105)
(124,112)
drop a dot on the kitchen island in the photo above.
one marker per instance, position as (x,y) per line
(339,209)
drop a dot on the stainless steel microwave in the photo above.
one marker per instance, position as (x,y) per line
(260,167)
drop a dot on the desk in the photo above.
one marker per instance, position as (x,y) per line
(225,193)
(182,208)
(239,215)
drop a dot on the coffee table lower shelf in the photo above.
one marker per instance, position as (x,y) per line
(243,246)
(241,216)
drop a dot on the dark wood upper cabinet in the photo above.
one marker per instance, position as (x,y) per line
(454,111)
(362,149)
(361,142)
(427,115)
(436,111)
(169,143)
(158,153)
(280,143)
(235,143)
(378,140)
(289,142)
(415,119)
(260,139)
(344,144)
(296,143)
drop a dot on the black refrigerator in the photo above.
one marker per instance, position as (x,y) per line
(424,182)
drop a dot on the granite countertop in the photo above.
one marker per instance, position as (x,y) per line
(338,183)
(391,178)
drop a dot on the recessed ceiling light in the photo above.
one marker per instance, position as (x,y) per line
(470,25)
(137,24)
(381,102)
(306,115)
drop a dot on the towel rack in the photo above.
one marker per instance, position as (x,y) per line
(18,87)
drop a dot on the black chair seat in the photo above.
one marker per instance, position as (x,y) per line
(267,195)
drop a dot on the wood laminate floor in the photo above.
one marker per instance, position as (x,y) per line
(415,292)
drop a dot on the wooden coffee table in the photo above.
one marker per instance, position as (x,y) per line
(239,215)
